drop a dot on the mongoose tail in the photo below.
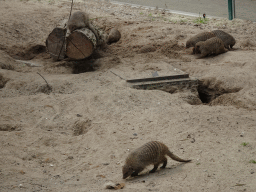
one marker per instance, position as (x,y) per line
(176,158)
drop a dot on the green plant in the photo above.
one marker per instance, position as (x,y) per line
(244,144)
(252,161)
(197,163)
(150,15)
(201,20)
(141,13)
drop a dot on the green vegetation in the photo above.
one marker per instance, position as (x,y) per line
(252,161)
(141,13)
(201,20)
(244,144)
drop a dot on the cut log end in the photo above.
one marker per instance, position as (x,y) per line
(55,43)
(80,44)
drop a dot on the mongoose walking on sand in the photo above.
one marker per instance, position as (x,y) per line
(227,39)
(150,153)
(80,20)
(199,37)
(211,46)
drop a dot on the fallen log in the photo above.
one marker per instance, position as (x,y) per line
(55,43)
(76,45)
(80,44)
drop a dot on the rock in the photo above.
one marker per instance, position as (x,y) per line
(114,36)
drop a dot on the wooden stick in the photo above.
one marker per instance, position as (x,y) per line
(44,79)
(66,30)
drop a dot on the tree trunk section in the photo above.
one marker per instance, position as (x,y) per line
(55,43)
(80,44)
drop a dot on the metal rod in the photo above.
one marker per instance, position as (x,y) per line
(161,78)
(230,9)
(234,8)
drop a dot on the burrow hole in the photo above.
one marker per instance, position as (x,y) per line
(208,93)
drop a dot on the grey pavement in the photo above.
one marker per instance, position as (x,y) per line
(244,9)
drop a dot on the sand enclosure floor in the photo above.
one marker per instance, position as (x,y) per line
(76,136)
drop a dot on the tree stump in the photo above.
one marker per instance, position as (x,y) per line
(80,44)
(55,43)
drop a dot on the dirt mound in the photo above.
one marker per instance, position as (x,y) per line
(10,127)
(248,43)
(171,49)
(3,81)
(244,99)
(14,89)
(210,88)
(7,62)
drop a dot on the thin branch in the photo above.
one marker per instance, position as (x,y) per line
(65,31)
(44,79)
(70,10)
(117,75)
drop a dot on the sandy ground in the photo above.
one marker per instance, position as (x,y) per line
(76,136)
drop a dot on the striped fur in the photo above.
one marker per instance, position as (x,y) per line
(210,46)
(80,20)
(150,153)
(199,37)
(228,40)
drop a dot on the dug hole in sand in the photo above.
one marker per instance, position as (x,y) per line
(76,135)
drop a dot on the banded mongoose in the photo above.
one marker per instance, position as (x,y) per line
(211,46)
(199,37)
(80,20)
(228,40)
(150,153)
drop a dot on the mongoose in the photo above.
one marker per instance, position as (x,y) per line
(227,39)
(80,20)
(199,37)
(211,46)
(150,153)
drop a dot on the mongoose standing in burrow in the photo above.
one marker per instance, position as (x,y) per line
(199,37)
(80,20)
(228,40)
(150,153)
(211,46)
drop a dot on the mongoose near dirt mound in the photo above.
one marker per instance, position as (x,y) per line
(80,20)
(211,46)
(199,37)
(228,40)
(150,153)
